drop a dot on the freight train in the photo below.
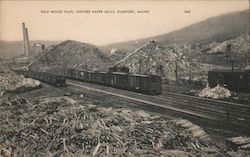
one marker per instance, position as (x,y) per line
(49,78)
(147,84)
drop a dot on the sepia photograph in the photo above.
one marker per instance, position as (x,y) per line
(142,78)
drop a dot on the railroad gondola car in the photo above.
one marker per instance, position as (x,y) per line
(120,80)
(49,78)
(149,84)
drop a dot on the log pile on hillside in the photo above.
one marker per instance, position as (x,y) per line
(73,54)
(10,82)
(57,126)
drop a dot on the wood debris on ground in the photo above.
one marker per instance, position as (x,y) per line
(60,126)
(241,142)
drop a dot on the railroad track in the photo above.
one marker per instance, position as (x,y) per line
(205,112)
(230,109)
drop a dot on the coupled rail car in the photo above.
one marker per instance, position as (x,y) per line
(147,84)
(52,79)
(237,80)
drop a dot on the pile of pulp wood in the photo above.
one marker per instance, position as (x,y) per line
(73,54)
(60,126)
(215,93)
(151,58)
(10,82)
(154,58)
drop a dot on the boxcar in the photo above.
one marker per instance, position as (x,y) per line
(155,84)
(237,80)
(67,72)
(102,77)
(136,82)
(141,83)
(150,84)
(107,78)
(96,77)
(120,80)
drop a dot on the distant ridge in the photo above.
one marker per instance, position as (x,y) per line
(217,29)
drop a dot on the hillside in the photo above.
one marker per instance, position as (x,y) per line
(215,29)
(239,44)
(72,53)
(218,52)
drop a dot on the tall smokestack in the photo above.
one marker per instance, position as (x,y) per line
(24,39)
(26,45)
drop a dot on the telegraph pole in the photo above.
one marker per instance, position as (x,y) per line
(190,69)
(231,59)
(176,72)
(176,68)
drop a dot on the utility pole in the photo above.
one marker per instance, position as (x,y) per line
(190,70)
(231,59)
(176,72)
(176,67)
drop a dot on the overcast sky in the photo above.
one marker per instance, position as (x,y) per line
(103,28)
